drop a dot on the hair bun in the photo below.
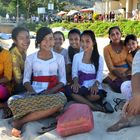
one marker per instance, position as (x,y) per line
(41,33)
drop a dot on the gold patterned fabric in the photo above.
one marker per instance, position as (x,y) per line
(24,104)
(18,60)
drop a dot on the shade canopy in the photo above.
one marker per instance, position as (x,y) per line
(87,10)
(72,12)
(61,13)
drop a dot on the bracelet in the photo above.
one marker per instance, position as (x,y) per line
(97,84)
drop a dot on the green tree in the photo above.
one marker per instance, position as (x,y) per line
(27,7)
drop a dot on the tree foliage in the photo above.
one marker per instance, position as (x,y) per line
(26,7)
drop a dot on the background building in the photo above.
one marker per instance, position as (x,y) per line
(105,6)
(126,6)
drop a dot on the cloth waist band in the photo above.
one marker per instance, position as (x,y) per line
(52,80)
(82,76)
(122,66)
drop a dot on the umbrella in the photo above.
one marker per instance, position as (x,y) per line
(72,12)
(61,13)
(87,10)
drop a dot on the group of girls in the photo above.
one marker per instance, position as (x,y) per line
(40,80)
(118,57)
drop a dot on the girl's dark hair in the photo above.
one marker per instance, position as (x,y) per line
(41,33)
(130,37)
(59,32)
(1,48)
(95,54)
(74,31)
(15,33)
(72,51)
(112,28)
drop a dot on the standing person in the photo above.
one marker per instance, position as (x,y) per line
(21,42)
(59,39)
(74,42)
(131,109)
(76,18)
(5,77)
(7,17)
(117,59)
(87,73)
(110,15)
(42,98)
(113,16)
(90,15)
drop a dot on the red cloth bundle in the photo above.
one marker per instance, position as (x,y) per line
(78,118)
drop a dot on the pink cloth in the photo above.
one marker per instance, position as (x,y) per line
(78,118)
(4,94)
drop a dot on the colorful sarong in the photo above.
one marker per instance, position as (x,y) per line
(24,104)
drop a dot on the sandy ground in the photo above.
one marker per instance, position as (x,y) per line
(101,120)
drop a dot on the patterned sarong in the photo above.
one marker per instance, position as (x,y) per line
(24,104)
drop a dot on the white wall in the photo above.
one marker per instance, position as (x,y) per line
(106,7)
(114,5)
(99,7)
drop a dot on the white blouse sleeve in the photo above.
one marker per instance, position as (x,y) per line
(75,66)
(61,70)
(27,69)
(136,63)
(99,76)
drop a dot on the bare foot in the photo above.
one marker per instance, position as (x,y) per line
(16,128)
(122,123)
(16,133)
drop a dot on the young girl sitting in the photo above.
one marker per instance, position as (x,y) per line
(59,39)
(44,76)
(74,41)
(117,59)
(87,73)
(131,43)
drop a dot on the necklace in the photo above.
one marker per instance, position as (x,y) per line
(117,49)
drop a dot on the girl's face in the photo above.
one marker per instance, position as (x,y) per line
(58,40)
(115,36)
(132,45)
(87,43)
(47,43)
(22,40)
(74,40)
